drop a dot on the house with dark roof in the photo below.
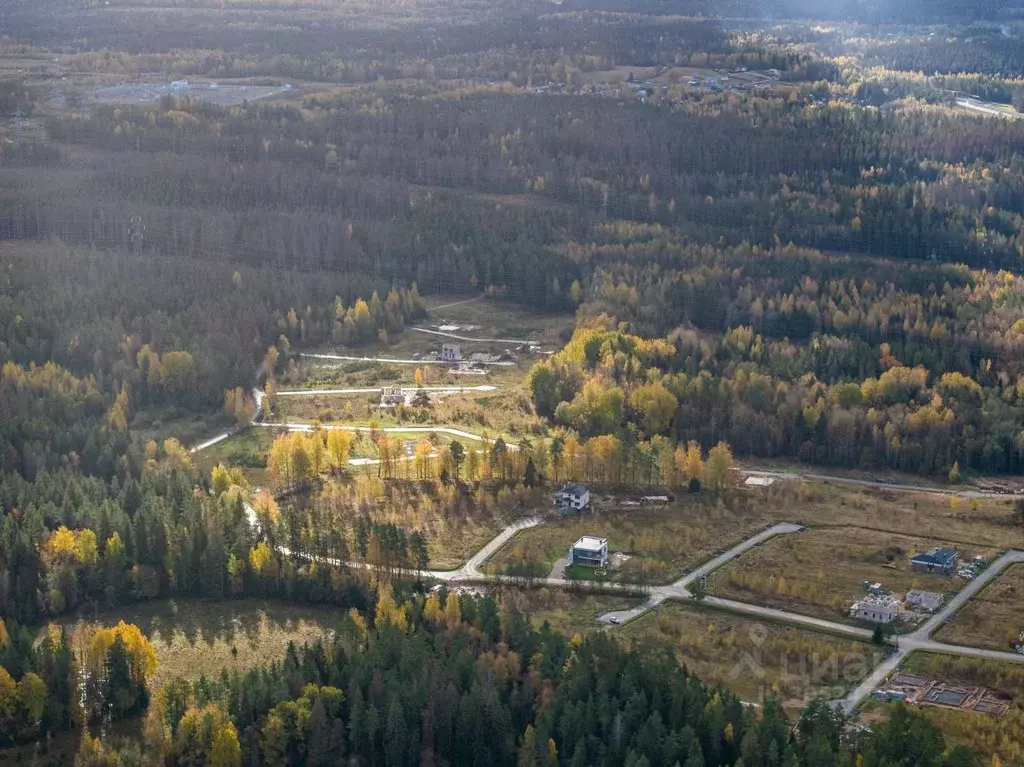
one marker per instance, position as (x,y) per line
(573,496)
(941,561)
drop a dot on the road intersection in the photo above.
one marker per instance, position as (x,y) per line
(680,590)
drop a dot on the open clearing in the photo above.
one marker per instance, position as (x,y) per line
(821,571)
(755,658)
(661,541)
(194,637)
(222,94)
(566,612)
(994,618)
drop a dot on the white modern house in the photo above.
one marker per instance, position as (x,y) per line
(877,608)
(589,551)
(573,496)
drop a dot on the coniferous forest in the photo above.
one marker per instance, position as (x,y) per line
(785,231)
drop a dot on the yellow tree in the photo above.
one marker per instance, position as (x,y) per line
(423,460)
(388,612)
(262,559)
(176,456)
(141,655)
(432,608)
(270,395)
(719,472)
(452,610)
(279,461)
(571,456)
(690,462)
(339,448)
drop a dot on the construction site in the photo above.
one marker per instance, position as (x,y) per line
(933,692)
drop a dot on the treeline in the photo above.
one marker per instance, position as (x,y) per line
(447,680)
(100,675)
(902,182)
(983,51)
(169,330)
(806,371)
(68,541)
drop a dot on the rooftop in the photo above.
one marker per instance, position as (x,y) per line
(590,543)
(878,600)
(936,555)
(575,488)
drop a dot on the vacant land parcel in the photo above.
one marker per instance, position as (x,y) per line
(754,658)
(823,570)
(994,618)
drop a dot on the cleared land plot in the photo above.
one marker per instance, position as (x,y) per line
(994,618)
(506,413)
(246,450)
(821,571)
(565,612)
(214,93)
(193,637)
(974,526)
(662,541)
(753,658)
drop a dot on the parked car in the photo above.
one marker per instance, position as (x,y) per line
(615,620)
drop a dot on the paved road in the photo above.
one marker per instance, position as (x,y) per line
(896,486)
(783,616)
(397,360)
(387,430)
(921,639)
(456,303)
(680,589)
(445,334)
(472,568)
(988,108)
(257,396)
(435,389)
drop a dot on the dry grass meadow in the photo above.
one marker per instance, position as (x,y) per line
(994,618)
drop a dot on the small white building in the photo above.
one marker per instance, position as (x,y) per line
(573,496)
(880,608)
(450,353)
(589,551)
(926,601)
(179,85)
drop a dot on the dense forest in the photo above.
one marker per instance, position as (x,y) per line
(779,234)
(444,680)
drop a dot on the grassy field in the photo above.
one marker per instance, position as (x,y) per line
(246,450)
(662,541)
(753,658)
(195,637)
(506,413)
(750,657)
(981,524)
(994,618)
(821,571)
(565,612)
(159,423)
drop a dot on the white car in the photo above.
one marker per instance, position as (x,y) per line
(615,620)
